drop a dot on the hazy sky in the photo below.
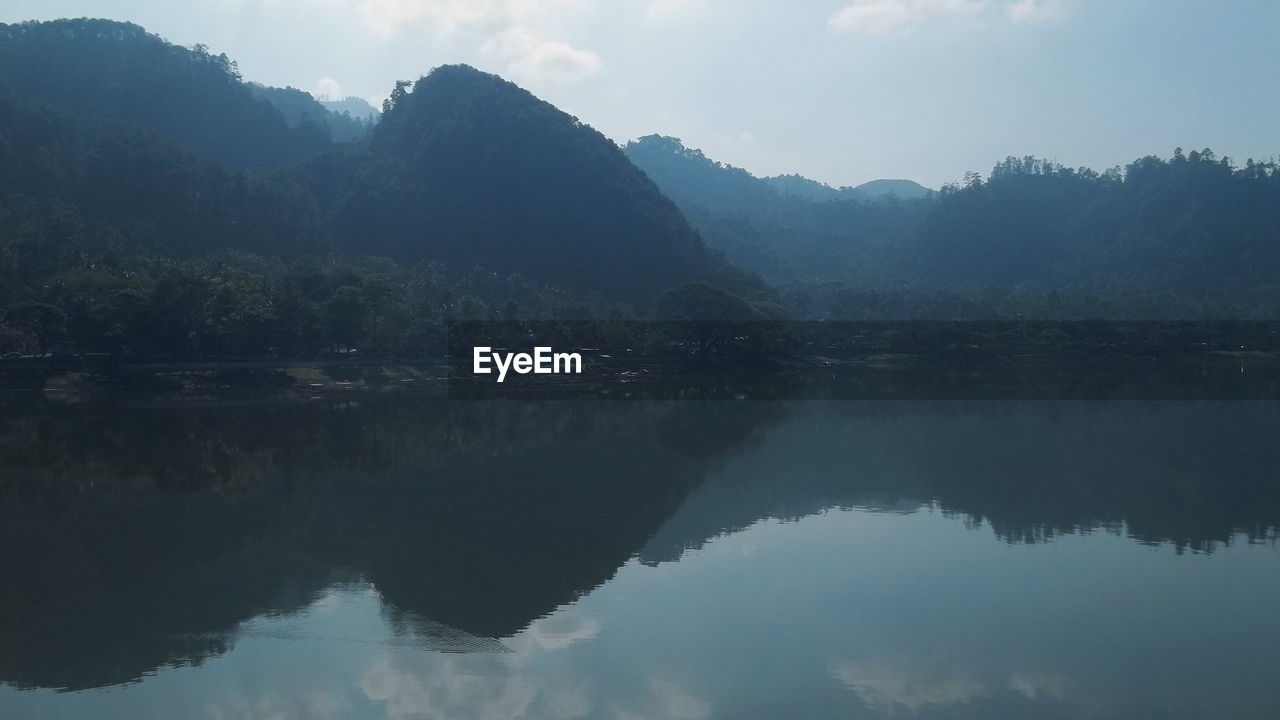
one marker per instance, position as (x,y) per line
(841,90)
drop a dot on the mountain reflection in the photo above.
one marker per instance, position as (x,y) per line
(1191,474)
(470,519)
(134,538)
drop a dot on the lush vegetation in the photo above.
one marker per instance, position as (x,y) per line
(299,108)
(470,169)
(152,202)
(354,107)
(1192,236)
(104,69)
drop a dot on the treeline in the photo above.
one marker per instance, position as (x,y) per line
(410,496)
(69,283)
(112,239)
(768,227)
(1192,236)
(469,169)
(298,108)
(106,69)
(155,196)
(151,203)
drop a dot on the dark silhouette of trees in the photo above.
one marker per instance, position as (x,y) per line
(1193,236)
(298,107)
(118,70)
(467,168)
(152,202)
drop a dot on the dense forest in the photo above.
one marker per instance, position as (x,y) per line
(154,202)
(97,69)
(1191,236)
(299,107)
(355,107)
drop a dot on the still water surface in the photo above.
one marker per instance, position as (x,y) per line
(408,558)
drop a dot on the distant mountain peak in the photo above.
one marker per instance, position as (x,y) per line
(492,175)
(113,70)
(903,189)
(356,107)
(804,188)
(299,106)
(655,154)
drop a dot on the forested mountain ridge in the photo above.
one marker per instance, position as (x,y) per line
(114,70)
(130,222)
(358,108)
(1192,236)
(468,168)
(872,191)
(299,107)
(785,237)
(150,202)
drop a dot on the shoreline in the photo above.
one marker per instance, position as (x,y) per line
(1230,375)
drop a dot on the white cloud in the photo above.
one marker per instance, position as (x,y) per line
(556,632)
(530,55)
(389,16)
(328,89)
(875,18)
(495,687)
(887,17)
(309,703)
(678,703)
(880,17)
(892,686)
(1035,686)
(509,30)
(1029,11)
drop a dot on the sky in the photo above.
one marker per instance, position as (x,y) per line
(843,91)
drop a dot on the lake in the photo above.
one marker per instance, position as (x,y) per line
(403,556)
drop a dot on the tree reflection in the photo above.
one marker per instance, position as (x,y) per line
(138,536)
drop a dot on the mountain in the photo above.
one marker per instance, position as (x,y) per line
(799,186)
(1192,236)
(884,188)
(80,185)
(154,203)
(413,497)
(470,169)
(873,191)
(1161,459)
(691,178)
(788,230)
(106,69)
(298,107)
(357,108)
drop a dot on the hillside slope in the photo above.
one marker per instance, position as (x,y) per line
(108,69)
(472,170)
(129,223)
(1192,236)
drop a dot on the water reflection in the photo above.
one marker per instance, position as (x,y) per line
(506,559)
(1193,474)
(477,518)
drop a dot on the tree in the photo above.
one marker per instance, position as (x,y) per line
(709,320)
(43,321)
(346,313)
